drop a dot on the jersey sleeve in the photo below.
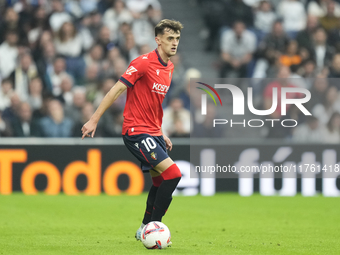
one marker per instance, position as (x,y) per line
(135,71)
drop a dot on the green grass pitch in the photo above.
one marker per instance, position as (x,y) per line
(222,224)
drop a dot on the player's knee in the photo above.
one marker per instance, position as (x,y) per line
(157,180)
(172,172)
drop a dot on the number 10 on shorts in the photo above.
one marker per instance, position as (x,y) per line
(149,143)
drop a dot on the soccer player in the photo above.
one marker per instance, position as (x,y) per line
(147,81)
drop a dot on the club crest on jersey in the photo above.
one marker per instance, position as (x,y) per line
(153,155)
(131,70)
(157,71)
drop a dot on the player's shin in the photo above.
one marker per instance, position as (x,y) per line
(171,177)
(156,182)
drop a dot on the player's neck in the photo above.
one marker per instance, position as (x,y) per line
(163,55)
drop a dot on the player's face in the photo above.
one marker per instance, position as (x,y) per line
(169,41)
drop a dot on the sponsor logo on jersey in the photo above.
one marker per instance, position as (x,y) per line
(157,71)
(159,87)
(153,155)
(136,144)
(170,74)
(145,57)
(131,70)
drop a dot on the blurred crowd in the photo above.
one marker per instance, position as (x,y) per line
(58,58)
(282,43)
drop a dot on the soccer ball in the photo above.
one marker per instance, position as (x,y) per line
(156,235)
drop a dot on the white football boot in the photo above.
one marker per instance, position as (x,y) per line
(138,234)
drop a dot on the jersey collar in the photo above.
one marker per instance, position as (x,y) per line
(160,59)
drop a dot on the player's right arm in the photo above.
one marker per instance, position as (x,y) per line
(110,97)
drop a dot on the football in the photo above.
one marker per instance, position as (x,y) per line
(156,235)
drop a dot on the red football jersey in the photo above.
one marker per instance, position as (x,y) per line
(148,80)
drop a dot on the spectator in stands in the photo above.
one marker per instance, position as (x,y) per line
(116,15)
(95,56)
(294,16)
(334,39)
(318,8)
(206,129)
(70,44)
(58,16)
(35,98)
(6,91)
(24,125)
(264,17)
(39,23)
(92,76)
(331,133)
(105,87)
(22,75)
(12,111)
(56,124)
(9,53)
(321,52)
(184,94)
(305,37)
(323,111)
(317,91)
(281,82)
(11,22)
(334,71)
(270,49)
(57,74)
(291,56)
(129,50)
(176,119)
(237,46)
(237,10)
(45,65)
(214,16)
(105,126)
(73,111)
(5,127)
(105,39)
(143,30)
(66,96)
(119,66)
(79,8)
(310,131)
(330,21)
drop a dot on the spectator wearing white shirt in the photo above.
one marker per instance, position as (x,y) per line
(294,16)
(176,119)
(318,8)
(68,42)
(57,74)
(9,53)
(58,16)
(265,17)
(237,46)
(117,15)
(22,76)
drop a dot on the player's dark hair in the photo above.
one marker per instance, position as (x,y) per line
(173,25)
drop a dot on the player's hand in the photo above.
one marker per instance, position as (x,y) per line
(89,129)
(167,142)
